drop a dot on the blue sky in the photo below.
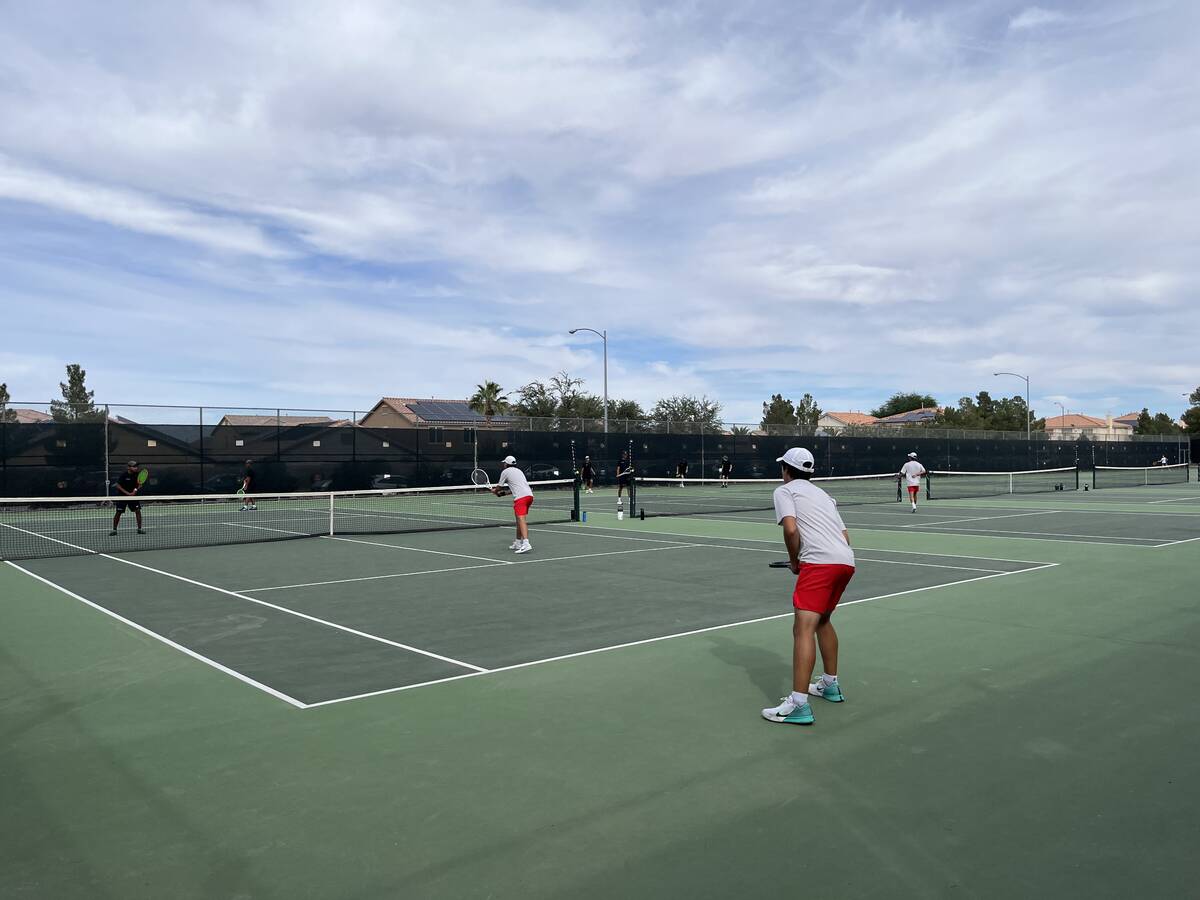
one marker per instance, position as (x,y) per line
(311,204)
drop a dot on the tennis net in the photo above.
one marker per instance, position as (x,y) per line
(32,528)
(1138,476)
(952,485)
(705,496)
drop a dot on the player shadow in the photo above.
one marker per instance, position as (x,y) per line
(767,670)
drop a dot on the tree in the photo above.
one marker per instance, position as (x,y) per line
(982,413)
(6,414)
(807,414)
(903,402)
(700,411)
(77,404)
(489,399)
(536,401)
(778,411)
(626,409)
(740,430)
(1159,423)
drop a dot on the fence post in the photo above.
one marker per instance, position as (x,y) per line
(200,487)
(106,468)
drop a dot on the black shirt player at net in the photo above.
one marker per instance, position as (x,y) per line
(248,479)
(127,484)
(726,471)
(681,471)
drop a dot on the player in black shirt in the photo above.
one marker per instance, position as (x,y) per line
(127,484)
(726,471)
(624,471)
(248,486)
(587,474)
(681,471)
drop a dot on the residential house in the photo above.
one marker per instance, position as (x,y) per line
(1074,426)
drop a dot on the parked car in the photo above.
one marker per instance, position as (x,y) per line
(543,472)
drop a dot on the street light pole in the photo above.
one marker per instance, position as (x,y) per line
(1028,417)
(603,337)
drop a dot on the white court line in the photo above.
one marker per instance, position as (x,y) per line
(297,613)
(1173,543)
(48,538)
(490,559)
(494,564)
(779,541)
(653,640)
(1061,539)
(158,637)
(1174,500)
(1048,512)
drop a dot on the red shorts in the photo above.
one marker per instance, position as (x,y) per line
(913,489)
(820,587)
(521,505)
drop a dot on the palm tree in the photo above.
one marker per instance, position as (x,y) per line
(489,400)
(739,429)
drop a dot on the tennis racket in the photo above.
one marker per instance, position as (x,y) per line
(779,564)
(481,479)
(143,477)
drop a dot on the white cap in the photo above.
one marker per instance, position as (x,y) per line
(799,458)
(509,460)
(913,455)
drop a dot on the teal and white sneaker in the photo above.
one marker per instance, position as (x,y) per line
(831,692)
(788,713)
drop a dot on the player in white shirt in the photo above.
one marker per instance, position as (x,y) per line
(818,548)
(912,472)
(514,481)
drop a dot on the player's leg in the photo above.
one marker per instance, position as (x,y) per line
(827,685)
(522,535)
(137,515)
(117,518)
(804,649)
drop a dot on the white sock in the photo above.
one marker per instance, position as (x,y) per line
(525,543)
(829,679)
(798,698)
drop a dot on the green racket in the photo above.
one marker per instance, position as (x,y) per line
(143,477)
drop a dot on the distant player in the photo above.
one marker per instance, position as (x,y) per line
(624,473)
(912,472)
(513,480)
(248,482)
(818,548)
(681,471)
(127,484)
(726,471)
(587,474)
(1163,461)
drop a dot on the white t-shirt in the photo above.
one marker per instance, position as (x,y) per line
(820,523)
(912,472)
(514,479)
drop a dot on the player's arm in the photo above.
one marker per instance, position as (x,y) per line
(846,535)
(791,540)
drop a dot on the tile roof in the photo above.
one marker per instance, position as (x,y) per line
(852,418)
(1078,420)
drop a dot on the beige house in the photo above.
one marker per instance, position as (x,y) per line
(281,420)
(413,412)
(1074,426)
(29,416)
(836,421)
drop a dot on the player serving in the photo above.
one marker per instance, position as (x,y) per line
(128,484)
(587,474)
(912,472)
(818,548)
(726,471)
(513,480)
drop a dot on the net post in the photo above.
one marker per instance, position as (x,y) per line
(331,514)
(575,505)
(633,507)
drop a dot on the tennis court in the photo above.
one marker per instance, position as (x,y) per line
(408,709)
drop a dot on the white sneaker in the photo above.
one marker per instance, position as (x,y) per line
(524,548)
(514,545)
(788,712)
(243,509)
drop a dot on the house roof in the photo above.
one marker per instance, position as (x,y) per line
(279,420)
(852,418)
(1078,420)
(432,411)
(29,416)
(912,417)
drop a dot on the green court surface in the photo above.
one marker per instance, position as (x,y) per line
(428,715)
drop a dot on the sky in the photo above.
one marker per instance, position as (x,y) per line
(312,205)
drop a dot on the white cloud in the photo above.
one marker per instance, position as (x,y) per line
(842,201)
(1035,17)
